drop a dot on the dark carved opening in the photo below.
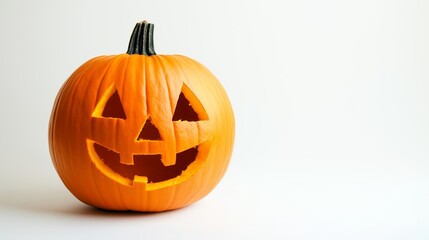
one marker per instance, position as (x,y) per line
(184,110)
(149,132)
(113,108)
(149,166)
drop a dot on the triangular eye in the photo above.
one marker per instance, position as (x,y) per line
(187,111)
(184,110)
(113,108)
(149,132)
(110,105)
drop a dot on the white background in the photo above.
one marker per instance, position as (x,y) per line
(331,100)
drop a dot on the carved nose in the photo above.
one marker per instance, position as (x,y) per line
(148,131)
(149,142)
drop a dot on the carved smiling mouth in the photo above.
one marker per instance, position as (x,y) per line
(148,169)
(149,166)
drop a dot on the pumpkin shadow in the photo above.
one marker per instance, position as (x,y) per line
(58,202)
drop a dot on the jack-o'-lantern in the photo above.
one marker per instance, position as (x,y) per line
(140,131)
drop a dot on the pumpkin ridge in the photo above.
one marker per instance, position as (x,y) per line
(164,78)
(165,62)
(102,79)
(110,60)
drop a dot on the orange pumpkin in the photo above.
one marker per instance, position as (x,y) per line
(141,131)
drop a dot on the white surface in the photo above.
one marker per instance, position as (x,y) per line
(332,112)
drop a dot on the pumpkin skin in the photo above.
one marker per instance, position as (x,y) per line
(141,132)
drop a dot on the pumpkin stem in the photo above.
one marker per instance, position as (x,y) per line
(141,41)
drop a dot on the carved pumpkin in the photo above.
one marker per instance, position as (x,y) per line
(141,131)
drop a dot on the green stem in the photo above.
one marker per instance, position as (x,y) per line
(141,41)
